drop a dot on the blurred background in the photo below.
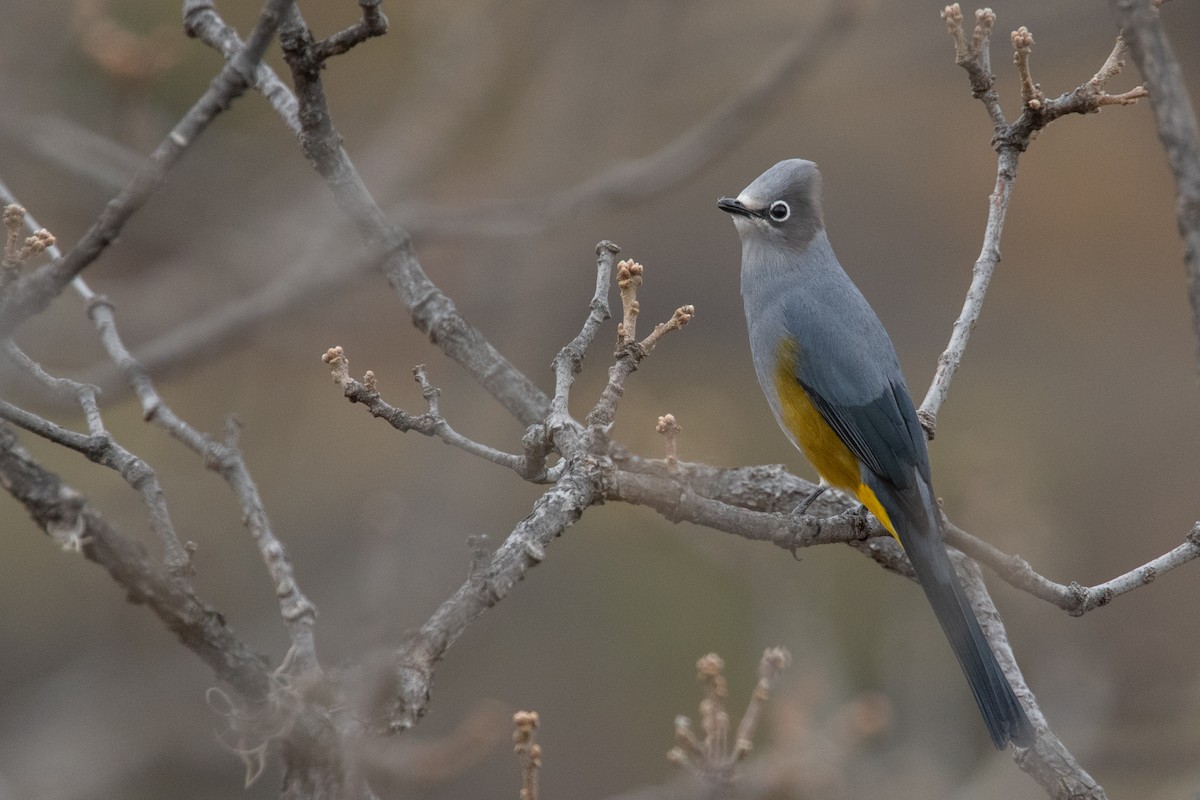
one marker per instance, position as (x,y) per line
(1070,435)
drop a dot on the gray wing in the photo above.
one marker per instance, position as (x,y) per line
(883,433)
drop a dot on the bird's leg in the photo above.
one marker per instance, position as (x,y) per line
(799,511)
(802,509)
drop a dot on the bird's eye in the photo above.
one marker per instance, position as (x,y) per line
(779,211)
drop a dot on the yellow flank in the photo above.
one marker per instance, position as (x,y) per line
(833,460)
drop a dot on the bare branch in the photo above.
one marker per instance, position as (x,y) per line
(624,182)
(1009,141)
(100,447)
(682,316)
(673,498)
(297,611)
(432,311)
(372,23)
(975,57)
(1178,130)
(755,503)
(1074,598)
(56,507)
(408,678)
(431,423)
(774,661)
(630,352)
(569,360)
(32,293)
(1048,762)
(981,277)
(203,22)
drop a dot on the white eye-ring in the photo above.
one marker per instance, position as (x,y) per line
(780,211)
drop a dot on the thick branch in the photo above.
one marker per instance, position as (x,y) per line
(1177,127)
(432,311)
(583,484)
(58,509)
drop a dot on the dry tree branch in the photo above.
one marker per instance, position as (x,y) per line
(630,351)
(224,458)
(583,480)
(298,613)
(432,311)
(755,503)
(1009,141)
(58,509)
(1178,131)
(431,423)
(569,360)
(99,446)
(407,682)
(33,292)
(1074,598)
(372,23)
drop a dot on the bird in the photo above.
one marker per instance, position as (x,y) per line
(832,378)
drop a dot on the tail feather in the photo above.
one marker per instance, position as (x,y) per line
(919,530)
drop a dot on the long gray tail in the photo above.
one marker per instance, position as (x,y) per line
(919,528)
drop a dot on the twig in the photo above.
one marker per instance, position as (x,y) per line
(774,661)
(202,21)
(33,292)
(1074,598)
(297,611)
(682,316)
(569,360)
(629,278)
(669,429)
(1009,141)
(99,446)
(529,752)
(372,23)
(630,351)
(1022,44)
(975,57)
(431,423)
(713,758)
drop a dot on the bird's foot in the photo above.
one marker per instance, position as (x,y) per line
(798,513)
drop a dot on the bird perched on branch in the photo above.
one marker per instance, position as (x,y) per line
(830,374)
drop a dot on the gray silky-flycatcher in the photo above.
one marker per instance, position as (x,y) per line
(831,375)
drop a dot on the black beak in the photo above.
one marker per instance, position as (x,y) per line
(734,206)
